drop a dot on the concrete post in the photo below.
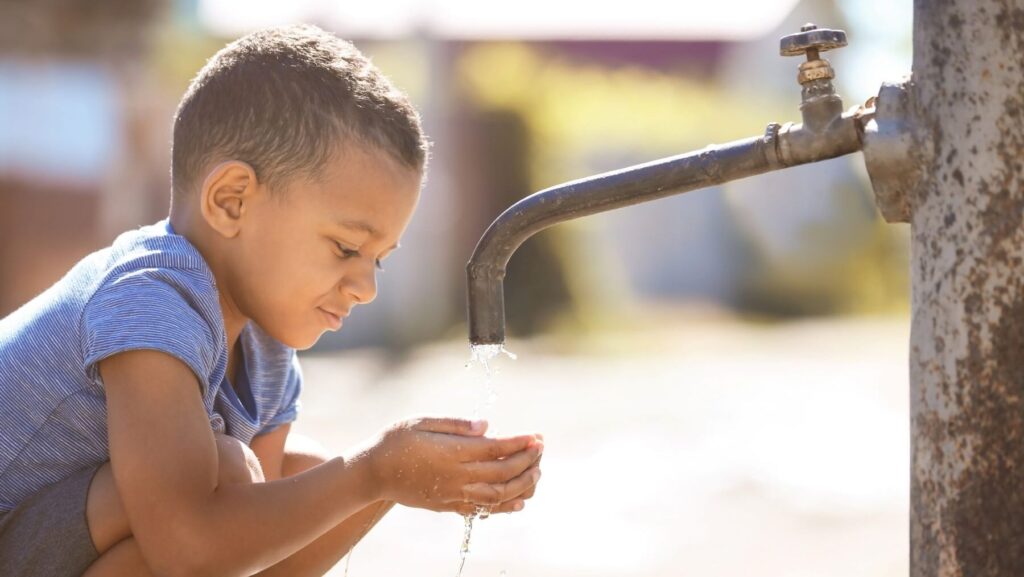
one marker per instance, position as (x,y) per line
(967,337)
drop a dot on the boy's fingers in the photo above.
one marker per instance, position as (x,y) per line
(529,492)
(498,471)
(485,449)
(509,506)
(451,426)
(493,494)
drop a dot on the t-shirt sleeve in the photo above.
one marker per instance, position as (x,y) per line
(152,309)
(290,405)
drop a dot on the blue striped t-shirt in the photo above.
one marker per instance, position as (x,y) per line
(150,290)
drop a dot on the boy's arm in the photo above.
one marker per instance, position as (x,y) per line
(164,462)
(319,556)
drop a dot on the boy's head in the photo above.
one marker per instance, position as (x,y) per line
(283,100)
(296,167)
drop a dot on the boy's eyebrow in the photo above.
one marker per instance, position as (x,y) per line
(363,226)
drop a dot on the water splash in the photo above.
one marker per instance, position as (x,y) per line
(483,355)
(486,353)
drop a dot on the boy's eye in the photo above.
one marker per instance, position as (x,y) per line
(346,252)
(353,253)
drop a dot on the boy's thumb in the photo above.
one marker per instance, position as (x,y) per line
(451,426)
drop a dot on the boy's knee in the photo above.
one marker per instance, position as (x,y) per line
(105,514)
(302,453)
(237,463)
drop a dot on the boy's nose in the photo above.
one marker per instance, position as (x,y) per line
(361,285)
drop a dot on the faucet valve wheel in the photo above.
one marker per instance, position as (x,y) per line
(810,41)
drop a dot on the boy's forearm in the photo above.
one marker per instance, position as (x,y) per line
(245,528)
(319,556)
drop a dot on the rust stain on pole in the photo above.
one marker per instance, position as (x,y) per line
(967,336)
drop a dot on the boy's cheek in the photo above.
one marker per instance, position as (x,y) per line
(296,330)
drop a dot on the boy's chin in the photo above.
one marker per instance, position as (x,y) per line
(300,341)
(306,343)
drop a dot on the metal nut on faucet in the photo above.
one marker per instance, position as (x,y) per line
(815,70)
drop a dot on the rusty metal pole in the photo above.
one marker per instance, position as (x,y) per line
(967,336)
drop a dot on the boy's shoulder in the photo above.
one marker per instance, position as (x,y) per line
(153,247)
(151,288)
(152,253)
(151,262)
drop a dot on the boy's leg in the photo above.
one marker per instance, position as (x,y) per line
(120,554)
(46,533)
(108,522)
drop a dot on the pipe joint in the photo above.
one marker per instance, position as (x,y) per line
(894,150)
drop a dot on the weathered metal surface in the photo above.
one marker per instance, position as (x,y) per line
(893,149)
(967,340)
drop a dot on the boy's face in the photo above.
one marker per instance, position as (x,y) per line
(309,255)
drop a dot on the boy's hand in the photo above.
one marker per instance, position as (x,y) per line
(448,465)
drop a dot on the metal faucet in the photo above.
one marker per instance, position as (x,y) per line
(826,132)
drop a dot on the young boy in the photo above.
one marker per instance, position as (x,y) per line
(146,399)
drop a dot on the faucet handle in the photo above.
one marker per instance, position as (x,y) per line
(810,41)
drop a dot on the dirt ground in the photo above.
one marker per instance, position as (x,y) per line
(712,448)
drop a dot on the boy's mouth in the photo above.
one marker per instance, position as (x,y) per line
(333,320)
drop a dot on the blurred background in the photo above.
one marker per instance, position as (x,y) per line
(721,376)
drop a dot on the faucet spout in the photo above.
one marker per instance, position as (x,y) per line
(826,132)
(779,147)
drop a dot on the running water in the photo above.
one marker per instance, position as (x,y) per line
(482,354)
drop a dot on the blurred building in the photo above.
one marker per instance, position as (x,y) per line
(82,135)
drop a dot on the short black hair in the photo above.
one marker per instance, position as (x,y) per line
(284,100)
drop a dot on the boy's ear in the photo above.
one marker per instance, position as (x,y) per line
(225,195)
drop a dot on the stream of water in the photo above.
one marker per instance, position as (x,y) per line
(482,355)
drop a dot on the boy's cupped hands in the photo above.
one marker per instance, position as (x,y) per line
(447,464)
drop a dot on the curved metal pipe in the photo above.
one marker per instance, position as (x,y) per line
(781,146)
